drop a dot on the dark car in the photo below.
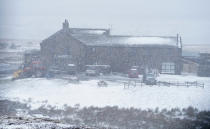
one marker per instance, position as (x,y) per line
(150,79)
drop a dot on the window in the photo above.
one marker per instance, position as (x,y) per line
(168,68)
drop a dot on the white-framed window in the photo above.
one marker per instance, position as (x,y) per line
(168,68)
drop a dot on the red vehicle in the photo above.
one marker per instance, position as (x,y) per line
(38,69)
(133,73)
(34,69)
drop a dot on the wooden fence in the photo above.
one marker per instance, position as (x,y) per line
(186,84)
(134,83)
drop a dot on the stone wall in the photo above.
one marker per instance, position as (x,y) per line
(122,58)
(61,46)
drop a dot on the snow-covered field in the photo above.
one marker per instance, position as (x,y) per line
(37,92)
(54,94)
(57,92)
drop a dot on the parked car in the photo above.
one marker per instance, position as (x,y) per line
(104,69)
(91,71)
(71,69)
(150,79)
(133,73)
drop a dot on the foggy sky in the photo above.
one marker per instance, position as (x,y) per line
(38,19)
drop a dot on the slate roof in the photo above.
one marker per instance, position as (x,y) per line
(127,40)
(101,37)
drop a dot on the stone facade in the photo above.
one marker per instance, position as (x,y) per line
(120,57)
(204,65)
(62,45)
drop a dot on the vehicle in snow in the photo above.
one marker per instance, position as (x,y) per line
(150,79)
(71,69)
(133,73)
(17,74)
(35,69)
(91,71)
(56,70)
(94,70)
(104,69)
(31,67)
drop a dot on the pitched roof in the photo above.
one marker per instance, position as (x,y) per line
(101,37)
(104,40)
(88,31)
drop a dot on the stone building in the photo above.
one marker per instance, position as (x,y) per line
(204,65)
(189,66)
(86,46)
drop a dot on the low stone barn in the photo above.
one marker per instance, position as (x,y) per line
(189,66)
(86,46)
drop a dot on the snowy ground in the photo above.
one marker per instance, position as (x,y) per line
(50,93)
(57,92)
(31,123)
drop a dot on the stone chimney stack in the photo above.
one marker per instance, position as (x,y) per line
(66,25)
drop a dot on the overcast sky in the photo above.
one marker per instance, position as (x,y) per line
(38,19)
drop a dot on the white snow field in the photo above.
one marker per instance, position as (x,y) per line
(37,92)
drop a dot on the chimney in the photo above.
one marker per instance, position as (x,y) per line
(177,38)
(66,25)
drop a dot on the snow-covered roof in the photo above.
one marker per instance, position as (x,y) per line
(88,31)
(105,40)
(148,40)
(101,37)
